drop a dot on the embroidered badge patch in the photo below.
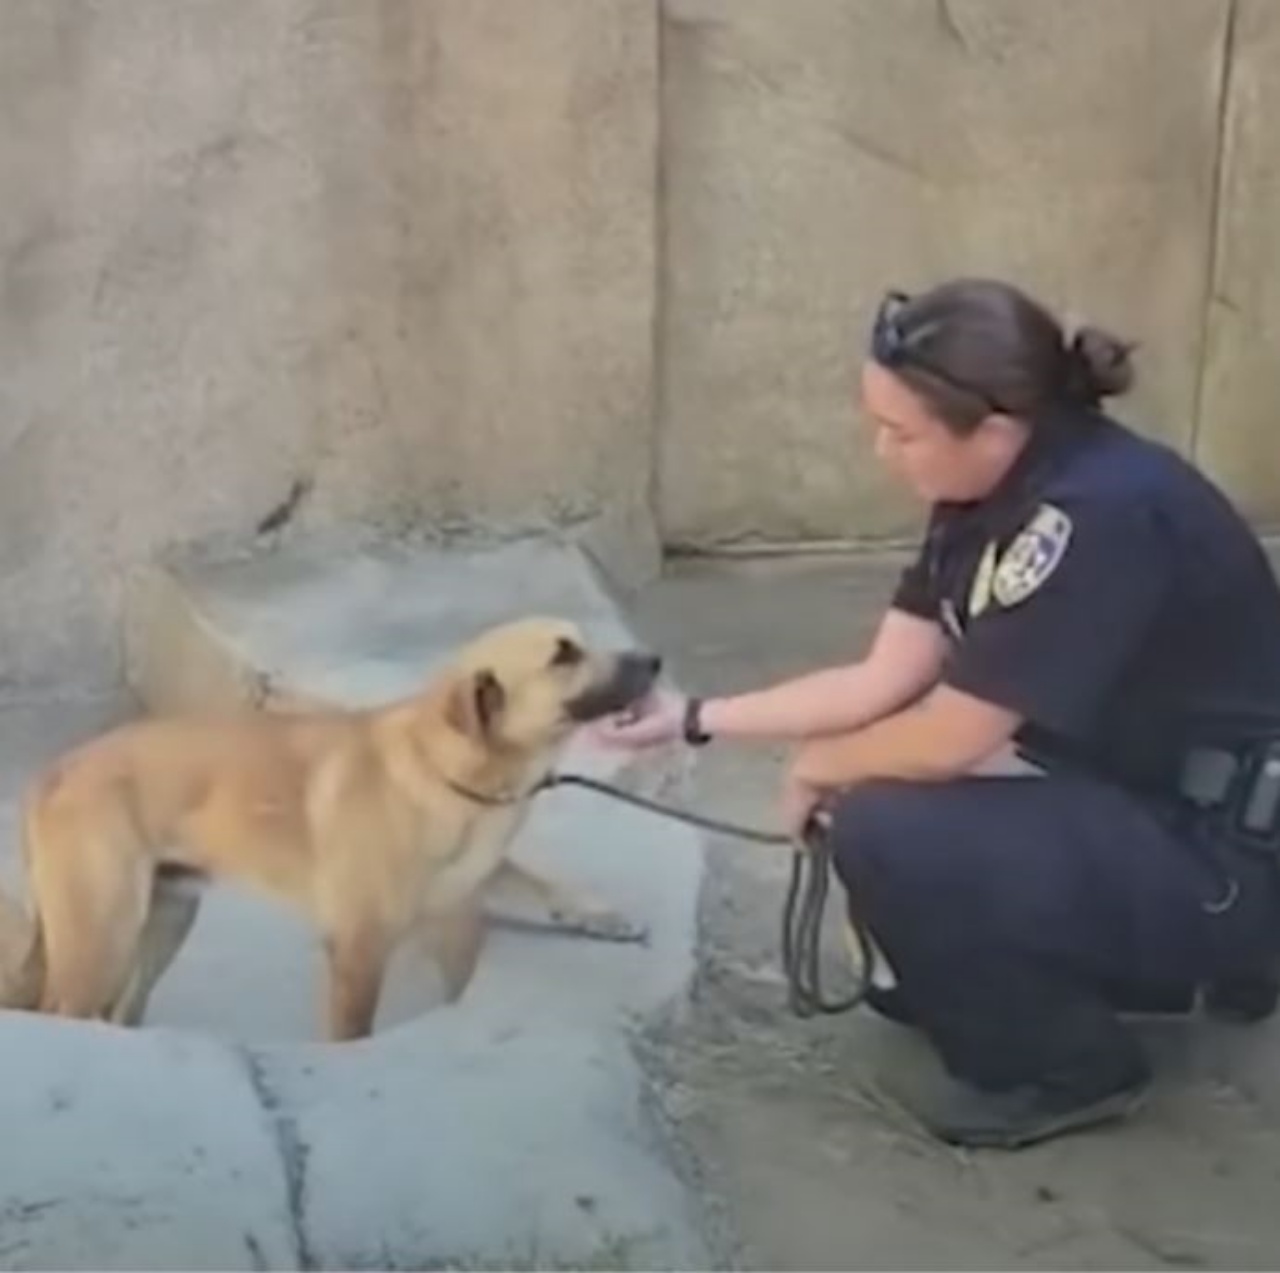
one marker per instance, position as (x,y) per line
(1032,557)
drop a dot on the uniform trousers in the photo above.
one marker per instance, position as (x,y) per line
(1015,912)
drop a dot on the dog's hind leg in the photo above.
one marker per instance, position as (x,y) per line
(90,884)
(175,904)
(93,907)
(559,907)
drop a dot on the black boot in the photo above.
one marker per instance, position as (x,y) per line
(968,1116)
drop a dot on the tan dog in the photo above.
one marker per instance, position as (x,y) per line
(376,823)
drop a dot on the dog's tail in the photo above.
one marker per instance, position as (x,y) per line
(22,958)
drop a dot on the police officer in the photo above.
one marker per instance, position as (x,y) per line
(1028,803)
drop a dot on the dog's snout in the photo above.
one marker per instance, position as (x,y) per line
(641,668)
(631,678)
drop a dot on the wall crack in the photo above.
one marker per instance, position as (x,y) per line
(1213,253)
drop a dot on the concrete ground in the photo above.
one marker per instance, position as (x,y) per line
(516,1130)
(510,1129)
(796,1125)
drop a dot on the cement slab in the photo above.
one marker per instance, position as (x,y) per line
(510,1129)
(482,1143)
(135,1151)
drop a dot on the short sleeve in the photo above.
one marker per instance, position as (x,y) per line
(1071,603)
(917,590)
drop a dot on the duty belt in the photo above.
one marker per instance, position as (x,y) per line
(1227,782)
(1237,788)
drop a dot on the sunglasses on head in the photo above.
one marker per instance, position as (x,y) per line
(893,347)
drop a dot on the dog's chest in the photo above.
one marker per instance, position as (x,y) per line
(467,872)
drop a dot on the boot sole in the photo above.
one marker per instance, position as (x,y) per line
(1110,1109)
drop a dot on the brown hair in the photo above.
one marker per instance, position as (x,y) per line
(971,347)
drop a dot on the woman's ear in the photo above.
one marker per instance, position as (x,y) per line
(1001,433)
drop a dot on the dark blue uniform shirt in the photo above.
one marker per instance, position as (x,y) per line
(1105,590)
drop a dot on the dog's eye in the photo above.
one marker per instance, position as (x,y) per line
(567,654)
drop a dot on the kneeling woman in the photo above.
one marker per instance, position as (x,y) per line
(1081,595)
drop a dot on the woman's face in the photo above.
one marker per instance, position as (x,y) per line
(934,463)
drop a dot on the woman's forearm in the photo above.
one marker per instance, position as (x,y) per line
(904,661)
(830,701)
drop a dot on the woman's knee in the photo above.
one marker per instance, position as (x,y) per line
(875,824)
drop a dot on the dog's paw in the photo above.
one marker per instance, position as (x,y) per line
(607,925)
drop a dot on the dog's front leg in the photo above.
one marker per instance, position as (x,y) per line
(357,964)
(558,906)
(454,941)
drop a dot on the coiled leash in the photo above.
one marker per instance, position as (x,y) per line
(803,910)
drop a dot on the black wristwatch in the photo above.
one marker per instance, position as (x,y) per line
(693,732)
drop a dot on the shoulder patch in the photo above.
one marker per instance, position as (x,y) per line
(1032,557)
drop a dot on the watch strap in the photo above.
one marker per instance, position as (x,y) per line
(693,732)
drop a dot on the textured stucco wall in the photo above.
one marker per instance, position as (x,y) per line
(819,151)
(398,252)
(1238,435)
(606,263)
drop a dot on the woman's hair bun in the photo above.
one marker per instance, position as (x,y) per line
(1099,365)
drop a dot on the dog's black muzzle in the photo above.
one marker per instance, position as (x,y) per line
(633,678)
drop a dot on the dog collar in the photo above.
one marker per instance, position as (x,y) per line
(498,800)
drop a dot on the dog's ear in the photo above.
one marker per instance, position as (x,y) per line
(474,703)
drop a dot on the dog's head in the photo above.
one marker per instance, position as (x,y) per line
(527,685)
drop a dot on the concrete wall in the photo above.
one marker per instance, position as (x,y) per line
(400,253)
(820,151)
(606,263)
(1238,422)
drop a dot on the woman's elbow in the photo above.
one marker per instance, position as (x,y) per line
(964,735)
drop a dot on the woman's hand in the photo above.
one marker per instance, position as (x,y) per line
(801,802)
(659,720)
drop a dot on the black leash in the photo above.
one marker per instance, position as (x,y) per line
(802,912)
(802,915)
